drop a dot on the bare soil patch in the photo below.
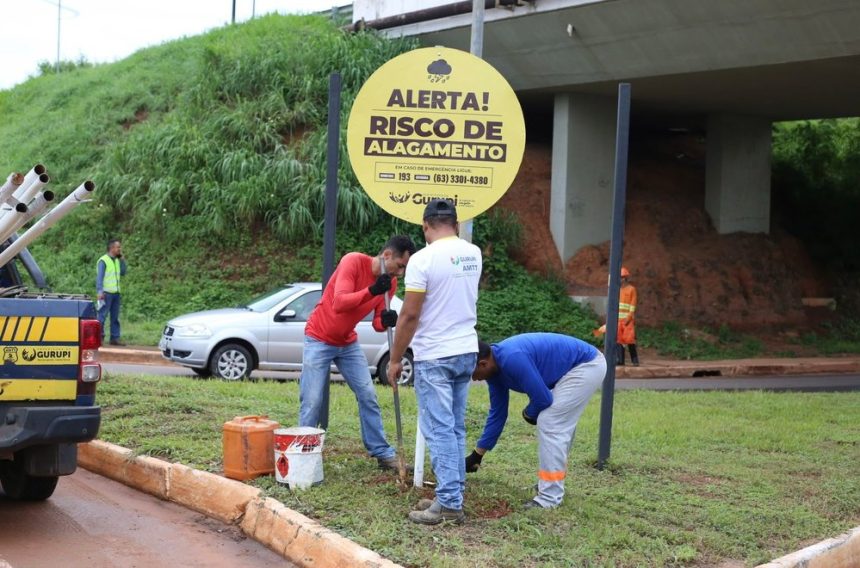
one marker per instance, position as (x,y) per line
(683,269)
(140,115)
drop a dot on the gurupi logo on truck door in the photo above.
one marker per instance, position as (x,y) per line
(40,340)
(10,355)
(48,355)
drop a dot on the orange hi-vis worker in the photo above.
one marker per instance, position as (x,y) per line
(626,310)
(626,320)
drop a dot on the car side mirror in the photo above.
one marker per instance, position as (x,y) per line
(285,315)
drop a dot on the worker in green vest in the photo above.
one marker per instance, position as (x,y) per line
(110,269)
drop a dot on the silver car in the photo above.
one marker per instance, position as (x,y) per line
(268,333)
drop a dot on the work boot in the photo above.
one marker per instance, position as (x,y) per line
(532,504)
(634,356)
(424,504)
(436,513)
(117,342)
(393,464)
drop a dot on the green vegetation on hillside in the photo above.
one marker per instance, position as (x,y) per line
(816,165)
(677,341)
(514,301)
(696,478)
(209,158)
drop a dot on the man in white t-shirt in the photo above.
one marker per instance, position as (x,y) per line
(438,319)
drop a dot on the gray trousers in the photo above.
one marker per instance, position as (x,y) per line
(556,426)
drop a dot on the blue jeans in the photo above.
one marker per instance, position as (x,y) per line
(442,386)
(112,302)
(352,364)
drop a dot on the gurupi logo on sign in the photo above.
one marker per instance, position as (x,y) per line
(436,123)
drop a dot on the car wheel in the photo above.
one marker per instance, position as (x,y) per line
(407,377)
(202,372)
(231,362)
(21,486)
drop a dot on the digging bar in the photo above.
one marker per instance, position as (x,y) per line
(401,466)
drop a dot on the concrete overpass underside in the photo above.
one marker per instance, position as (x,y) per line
(731,67)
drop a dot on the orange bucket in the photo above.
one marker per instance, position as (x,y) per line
(248,447)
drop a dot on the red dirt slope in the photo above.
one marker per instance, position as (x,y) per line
(683,269)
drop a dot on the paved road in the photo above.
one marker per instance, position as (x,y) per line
(179,370)
(94,522)
(810,383)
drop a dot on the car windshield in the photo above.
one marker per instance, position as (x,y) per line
(265,301)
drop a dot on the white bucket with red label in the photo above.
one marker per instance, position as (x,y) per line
(298,456)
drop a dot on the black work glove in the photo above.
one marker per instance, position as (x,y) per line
(473,462)
(381,286)
(388,318)
(529,419)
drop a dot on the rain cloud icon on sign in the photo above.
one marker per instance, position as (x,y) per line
(439,71)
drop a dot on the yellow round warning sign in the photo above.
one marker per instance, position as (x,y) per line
(436,123)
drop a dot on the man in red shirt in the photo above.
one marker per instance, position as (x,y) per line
(355,289)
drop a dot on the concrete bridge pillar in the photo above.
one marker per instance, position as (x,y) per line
(583,151)
(737,177)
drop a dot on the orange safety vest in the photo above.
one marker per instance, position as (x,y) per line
(626,310)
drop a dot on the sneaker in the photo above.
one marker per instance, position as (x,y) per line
(424,504)
(393,464)
(436,513)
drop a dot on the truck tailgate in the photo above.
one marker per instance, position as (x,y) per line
(40,356)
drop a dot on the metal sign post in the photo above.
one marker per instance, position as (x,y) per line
(622,135)
(401,463)
(332,160)
(476,48)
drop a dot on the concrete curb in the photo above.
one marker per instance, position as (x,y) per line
(130,355)
(649,370)
(120,464)
(840,552)
(214,496)
(294,536)
(740,368)
(303,540)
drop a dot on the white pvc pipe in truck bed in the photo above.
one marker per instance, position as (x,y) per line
(10,219)
(36,207)
(10,186)
(13,182)
(33,189)
(75,198)
(29,179)
(24,196)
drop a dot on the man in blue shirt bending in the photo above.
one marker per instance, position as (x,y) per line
(559,374)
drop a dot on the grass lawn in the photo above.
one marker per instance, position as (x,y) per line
(696,479)
(141,332)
